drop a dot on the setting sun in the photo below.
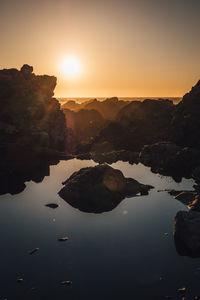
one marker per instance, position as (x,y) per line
(71,67)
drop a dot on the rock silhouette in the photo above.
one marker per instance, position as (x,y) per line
(32,127)
(99,189)
(29,114)
(187,233)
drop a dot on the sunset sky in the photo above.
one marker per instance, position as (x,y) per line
(120,47)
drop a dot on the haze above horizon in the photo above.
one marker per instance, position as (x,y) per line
(129,47)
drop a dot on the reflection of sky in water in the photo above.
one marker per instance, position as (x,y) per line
(119,254)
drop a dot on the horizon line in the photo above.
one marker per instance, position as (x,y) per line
(93,97)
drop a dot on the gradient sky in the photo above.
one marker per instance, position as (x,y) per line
(126,47)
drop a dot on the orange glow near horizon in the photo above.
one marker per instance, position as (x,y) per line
(129,48)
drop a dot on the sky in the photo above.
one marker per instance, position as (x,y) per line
(127,48)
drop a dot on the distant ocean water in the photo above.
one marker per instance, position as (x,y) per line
(84,99)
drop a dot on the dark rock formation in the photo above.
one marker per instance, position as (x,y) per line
(32,128)
(83,126)
(186,120)
(138,124)
(108,108)
(98,189)
(169,159)
(187,233)
(114,156)
(29,114)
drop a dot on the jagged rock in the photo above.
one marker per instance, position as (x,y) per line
(98,189)
(186,120)
(29,113)
(83,126)
(26,69)
(137,124)
(187,233)
(169,159)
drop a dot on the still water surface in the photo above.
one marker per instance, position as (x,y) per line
(121,254)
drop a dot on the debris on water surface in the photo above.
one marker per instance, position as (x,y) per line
(33,251)
(63,239)
(182,290)
(66,282)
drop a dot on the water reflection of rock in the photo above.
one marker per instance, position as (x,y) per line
(22,166)
(99,189)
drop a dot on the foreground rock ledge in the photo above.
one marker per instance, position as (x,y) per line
(99,189)
(187,233)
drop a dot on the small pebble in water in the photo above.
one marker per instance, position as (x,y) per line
(33,251)
(66,282)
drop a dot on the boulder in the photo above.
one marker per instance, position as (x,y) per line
(169,159)
(100,188)
(187,233)
(29,110)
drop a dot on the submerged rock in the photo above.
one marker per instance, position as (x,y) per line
(187,233)
(101,188)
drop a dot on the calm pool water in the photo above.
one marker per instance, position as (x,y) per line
(121,254)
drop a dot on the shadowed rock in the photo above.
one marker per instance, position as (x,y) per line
(187,233)
(101,188)
(169,159)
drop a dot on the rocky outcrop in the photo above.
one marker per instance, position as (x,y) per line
(29,114)
(83,126)
(114,156)
(32,128)
(139,123)
(98,189)
(186,119)
(108,108)
(187,233)
(169,159)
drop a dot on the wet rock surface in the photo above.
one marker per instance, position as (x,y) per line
(101,188)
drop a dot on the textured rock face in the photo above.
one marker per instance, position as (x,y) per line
(98,189)
(186,120)
(169,159)
(29,114)
(84,126)
(138,124)
(187,233)
(108,108)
